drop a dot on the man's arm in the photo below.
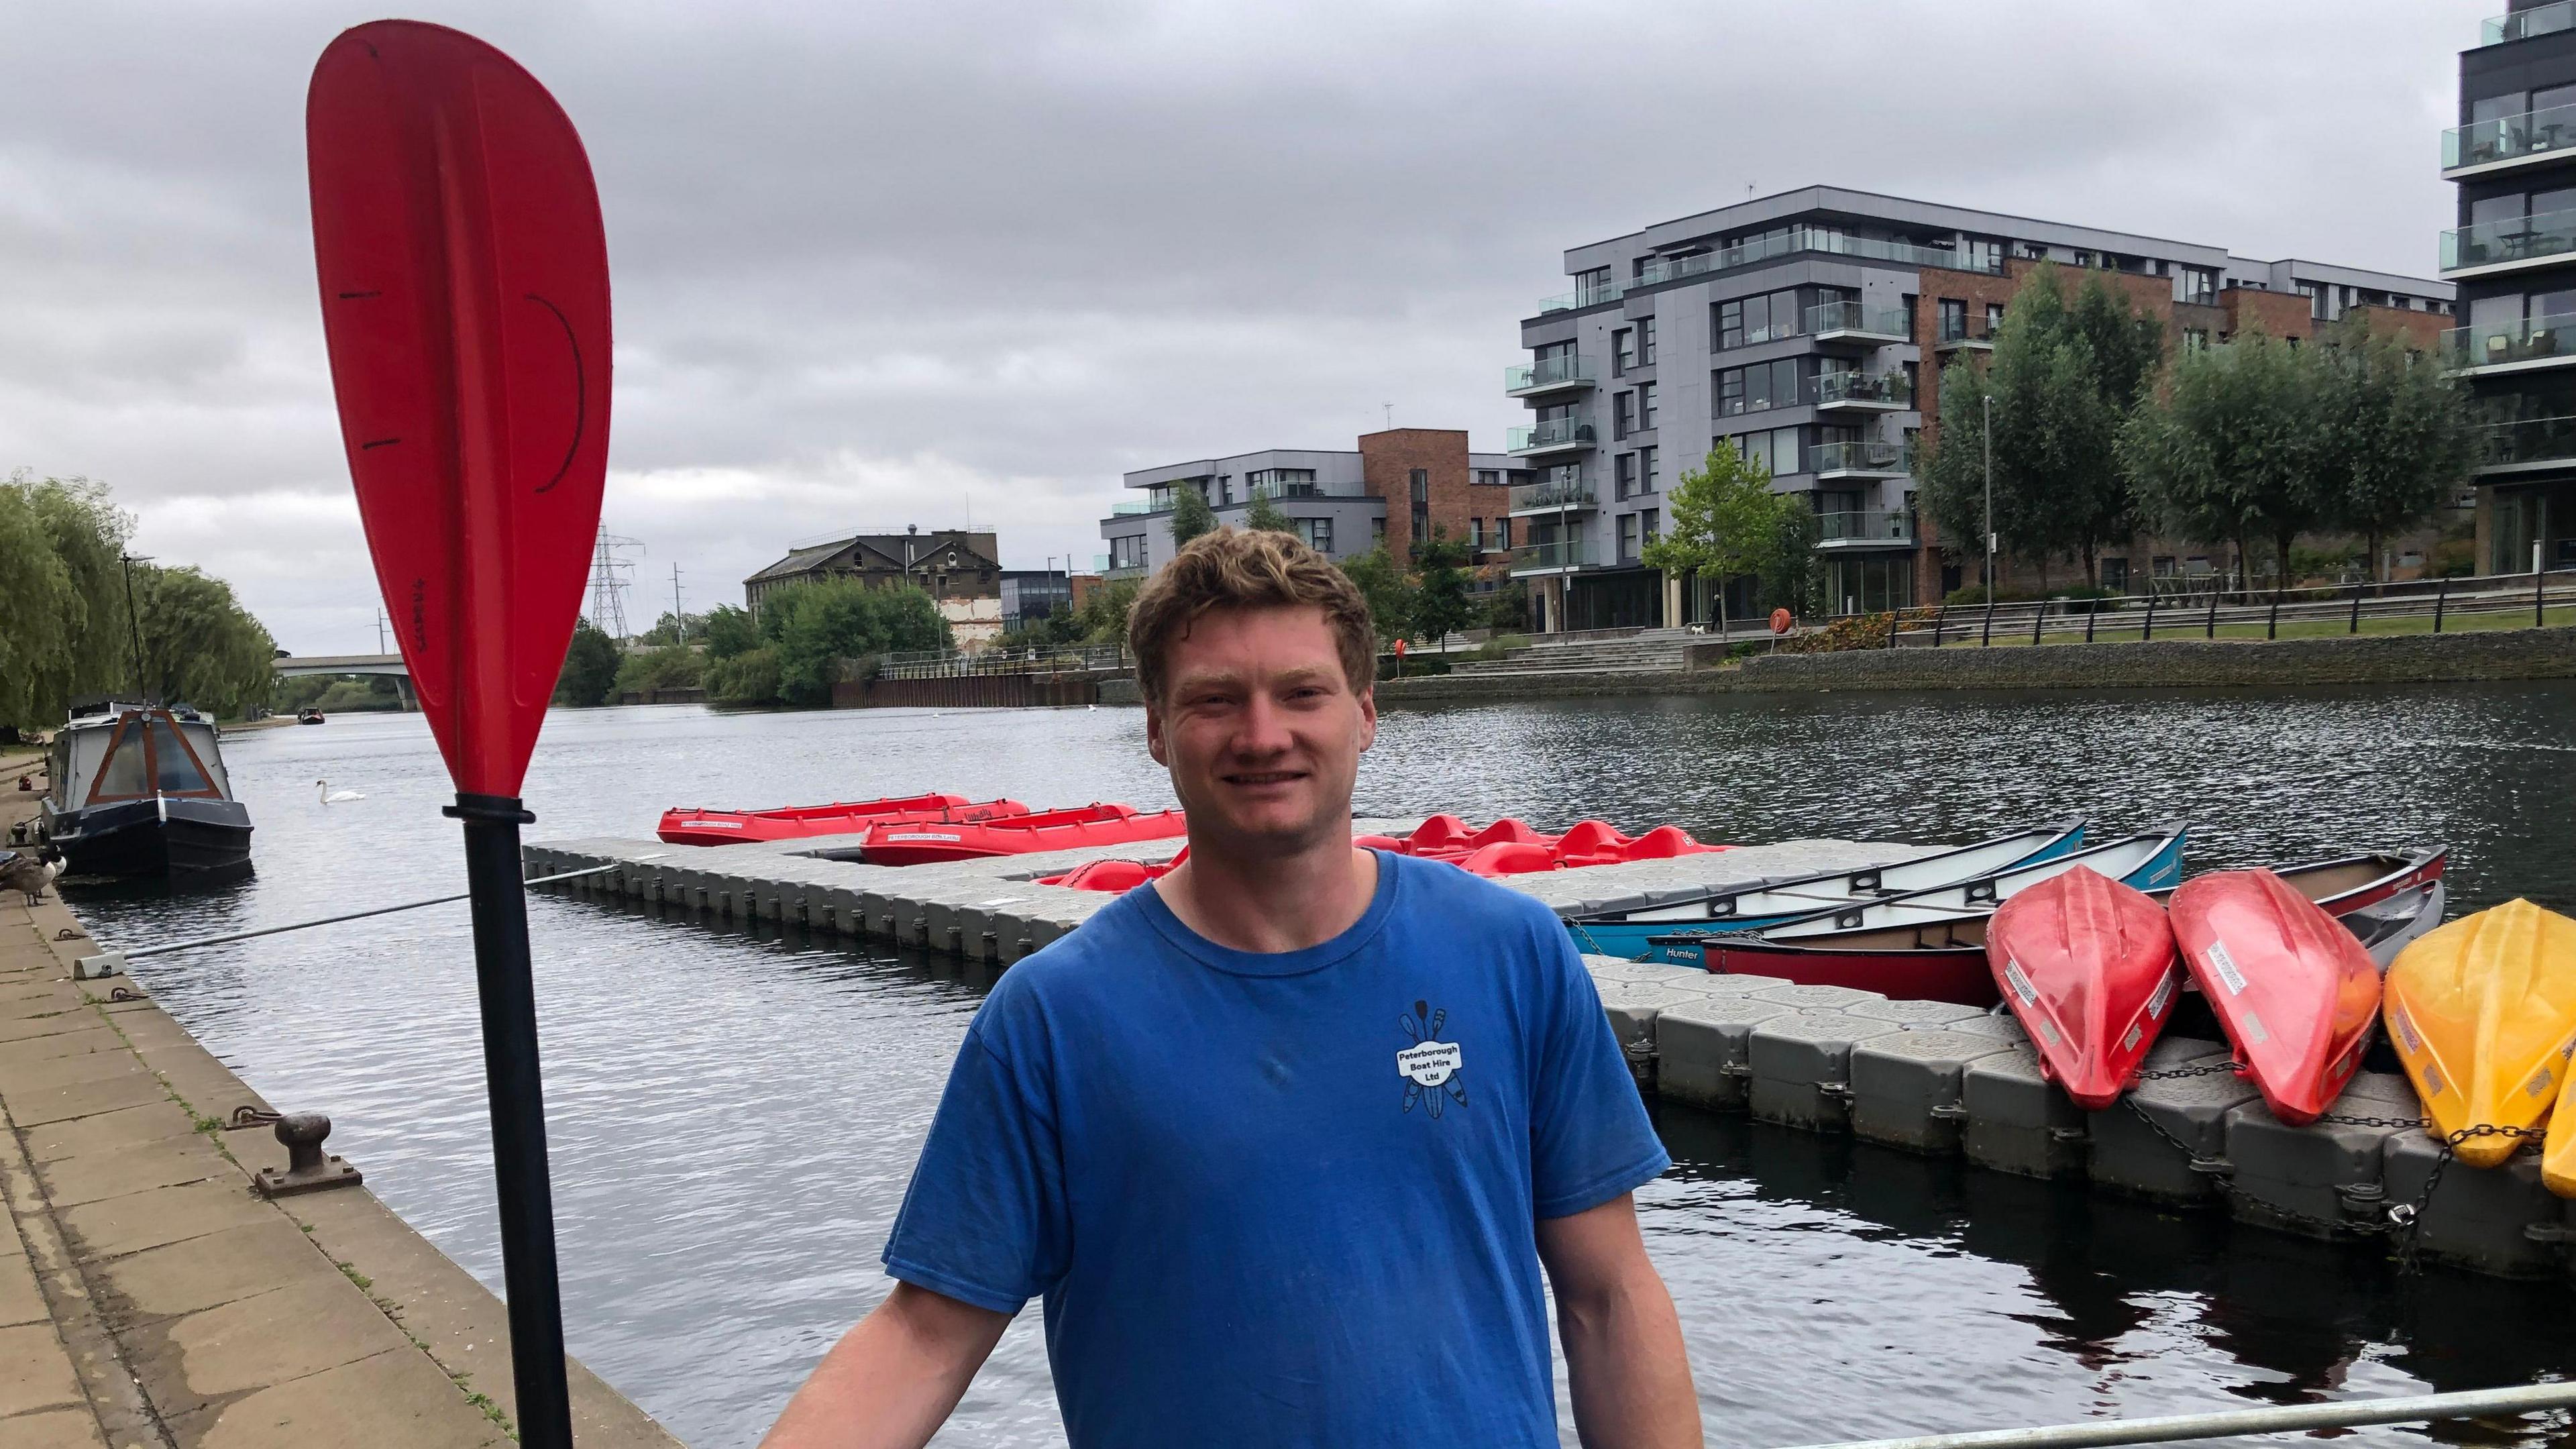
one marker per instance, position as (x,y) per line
(1623,1342)
(893,1380)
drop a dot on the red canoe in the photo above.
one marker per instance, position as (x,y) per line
(2295,991)
(689,825)
(1511,846)
(920,843)
(2088,966)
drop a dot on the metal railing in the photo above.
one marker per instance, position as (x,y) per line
(2523,341)
(1853,317)
(1528,497)
(2528,440)
(1554,433)
(1876,525)
(1563,553)
(2523,24)
(1954,331)
(1298,490)
(2507,138)
(952,664)
(2512,239)
(2209,608)
(1786,242)
(1862,457)
(2466,1404)
(1548,372)
(1855,386)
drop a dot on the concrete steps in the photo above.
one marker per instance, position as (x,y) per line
(1638,654)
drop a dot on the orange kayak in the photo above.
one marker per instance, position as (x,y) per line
(2294,990)
(2087,965)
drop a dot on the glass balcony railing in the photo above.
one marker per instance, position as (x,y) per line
(1563,553)
(1868,526)
(2515,239)
(2528,341)
(1123,571)
(1853,317)
(2529,440)
(1555,433)
(1548,372)
(1301,489)
(2523,24)
(1785,242)
(1966,332)
(2533,133)
(1533,497)
(1874,457)
(1884,389)
(1140,506)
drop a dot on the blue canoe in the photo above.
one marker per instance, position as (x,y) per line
(1753,905)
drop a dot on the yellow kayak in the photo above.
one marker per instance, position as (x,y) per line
(2483,1013)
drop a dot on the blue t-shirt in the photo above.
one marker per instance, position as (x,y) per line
(1283,1199)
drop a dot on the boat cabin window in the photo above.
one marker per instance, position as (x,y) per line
(174,767)
(126,773)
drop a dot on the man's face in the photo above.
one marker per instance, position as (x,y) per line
(1261,730)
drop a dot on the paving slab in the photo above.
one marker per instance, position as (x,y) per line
(95,1176)
(196,1361)
(34,1373)
(131,1086)
(142,1220)
(395,1398)
(152,1122)
(202,1273)
(55,1429)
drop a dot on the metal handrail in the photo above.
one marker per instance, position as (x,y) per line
(2227,1423)
(2202,613)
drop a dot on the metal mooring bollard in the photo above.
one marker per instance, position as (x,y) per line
(308,1167)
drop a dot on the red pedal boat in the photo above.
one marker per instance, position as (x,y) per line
(2295,991)
(1511,846)
(2088,966)
(922,842)
(689,825)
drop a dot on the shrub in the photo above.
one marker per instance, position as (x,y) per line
(673,666)
(750,677)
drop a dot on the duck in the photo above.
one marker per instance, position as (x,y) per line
(29,875)
(334,797)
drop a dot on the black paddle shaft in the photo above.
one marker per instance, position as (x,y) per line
(503,978)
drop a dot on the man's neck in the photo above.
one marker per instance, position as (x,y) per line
(1272,903)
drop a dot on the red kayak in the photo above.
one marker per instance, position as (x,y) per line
(922,842)
(688,825)
(2088,966)
(1511,846)
(2295,991)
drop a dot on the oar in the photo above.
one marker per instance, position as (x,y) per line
(464,283)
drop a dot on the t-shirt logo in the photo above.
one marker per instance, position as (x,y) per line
(1430,1066)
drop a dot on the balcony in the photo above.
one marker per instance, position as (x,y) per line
(1115,572)
(2513,245)
(1554,498)
(1591,294)
(1139,508)
(1859,460)
(1547,374)
(2523,24)
(1277,491)
(1852,322)
(1786,242)
(2508,144)
(1558,556)
(1560,435)
(1857,391)
(2541,342)
(2529,445)
(1875,528)
(1976,334)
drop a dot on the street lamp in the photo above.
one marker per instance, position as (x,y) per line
(1988,400)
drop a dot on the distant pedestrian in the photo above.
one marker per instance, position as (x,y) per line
(1282,1139)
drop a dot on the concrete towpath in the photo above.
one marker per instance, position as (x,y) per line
(149,1298)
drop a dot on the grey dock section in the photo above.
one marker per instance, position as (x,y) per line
(1922,1077)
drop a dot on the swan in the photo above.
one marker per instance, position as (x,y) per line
(334,797)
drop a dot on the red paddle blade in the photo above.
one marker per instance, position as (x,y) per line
(465,300)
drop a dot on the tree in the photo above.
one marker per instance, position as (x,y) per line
(674,629)
(36,625)
(2393,435)
(1721,521)
(1388,591)
(727,631)
(813,627)
(1102,619)
(1440,602)
(1191,515)
(2229,450)
(589,668)
(200,646)
(670,666)
(1265,516)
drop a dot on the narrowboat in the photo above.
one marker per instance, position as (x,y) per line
(139,791)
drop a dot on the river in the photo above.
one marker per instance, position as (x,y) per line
(734,1111)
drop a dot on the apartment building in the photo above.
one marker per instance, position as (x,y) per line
(958,568)
(1392,488)
(1806,330)
(2513,257)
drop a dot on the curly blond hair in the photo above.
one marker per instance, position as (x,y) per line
(1258,569)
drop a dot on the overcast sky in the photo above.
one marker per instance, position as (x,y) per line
(879,264)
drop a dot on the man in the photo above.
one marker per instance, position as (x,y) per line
(1284,1138)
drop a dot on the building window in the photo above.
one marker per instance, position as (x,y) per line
(1654,523)
(1503,534)
(1646,470)
(1749,320)
(1645,342)
(1984,254)
(1476,535)
(1954,318)
(1623,412)
(1627,538)
(1127,553)
(1752,389)
(1994,318)
(1421,485)
(1377,533)
(1489,477)
(1623,472)
(2115,575)
(1775,449)
(1645,405)
(1318,533)
(2194,339)
(1623,351)
(2316,295)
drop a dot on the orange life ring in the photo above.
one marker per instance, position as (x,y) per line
(1780,621)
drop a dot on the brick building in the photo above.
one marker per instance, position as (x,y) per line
(960,570)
